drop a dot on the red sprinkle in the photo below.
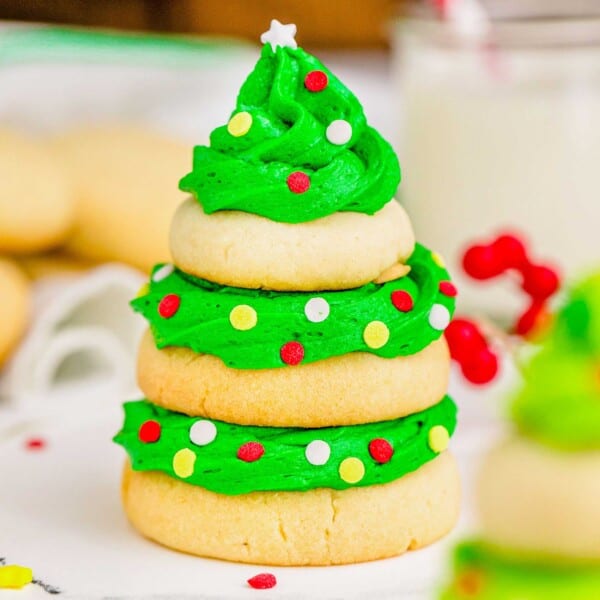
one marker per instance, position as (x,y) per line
(402,300)
(448,289)
(35,444)
(381,450)
(292,353)
(262,581)
(149,432)
(169,305)
(250,451)
(316,81)
(298,182)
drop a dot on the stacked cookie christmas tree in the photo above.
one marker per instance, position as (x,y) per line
(539,490)
(296,369)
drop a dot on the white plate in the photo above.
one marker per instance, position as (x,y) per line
(60,514)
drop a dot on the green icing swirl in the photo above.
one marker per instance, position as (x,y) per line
(202,320)
(284,466)
(480,573)
(559,402)
(249,172)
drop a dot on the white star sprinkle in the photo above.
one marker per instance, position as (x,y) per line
(280,35)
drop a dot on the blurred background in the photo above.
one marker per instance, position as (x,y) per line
(492,105)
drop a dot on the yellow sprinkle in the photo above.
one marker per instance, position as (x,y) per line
(438,260)
(243,317)
(15,576)
(143,290)
(239,124)
(392,273)
(376,334)
(438,438)
(183,463)
(352,470)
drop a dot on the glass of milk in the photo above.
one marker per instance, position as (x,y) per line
(502,133)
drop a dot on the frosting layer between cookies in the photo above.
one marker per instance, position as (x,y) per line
(296,148)
(235,459)
(260,329)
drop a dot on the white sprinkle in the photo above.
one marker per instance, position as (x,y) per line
(439,317)
(317,452)
(163,272)
(339,132)
(202,433)
(316,310)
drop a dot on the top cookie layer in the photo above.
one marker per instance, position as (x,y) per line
(296,148)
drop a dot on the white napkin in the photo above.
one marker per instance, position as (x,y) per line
(82,340)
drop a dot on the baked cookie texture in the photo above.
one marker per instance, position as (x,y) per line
(295,369)
(538,491)
(317,527)
(340,251)
(36,212)
(15,288)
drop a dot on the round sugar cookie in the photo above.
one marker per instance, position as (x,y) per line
(36,205)
(344,390)
(341,251)
(317,527)
(125,181)
(15,299)
(541,501)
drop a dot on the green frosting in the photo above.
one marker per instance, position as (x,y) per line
(559,403)
(287,135)
(482,574)
(284,464)
(202,320)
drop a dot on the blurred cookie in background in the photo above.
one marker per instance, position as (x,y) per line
(36,205)
(15,294)
(125,181)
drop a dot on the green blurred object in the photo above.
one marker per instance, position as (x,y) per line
(559,403)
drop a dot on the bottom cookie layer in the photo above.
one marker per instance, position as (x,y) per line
(318,527)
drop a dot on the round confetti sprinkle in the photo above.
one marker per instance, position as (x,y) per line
(438,438)
(163,272)
(35,443)
(316,310)
(376,334)
(381,450)
(203,432)
(292,353)
(402,300)
(352,470)
(317,452)
(263,581)
(143,291)
(243,317)
(169,305)
(239,124)
(316,81)
(339,132)
(183,463)
(298,182)
(15,577)
(439,317)
(250,451)
(448,289)
(149,432)
(438,260)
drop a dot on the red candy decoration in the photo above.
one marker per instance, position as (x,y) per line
(292,353)
(448,289)
(169,305)
(35,444)
(263,581)
(316,81)
(298,182)
(481,368)
(482,262)
(512,250)
(402,300)
(149,432)
(539,281)
(381,450)
(250,451)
